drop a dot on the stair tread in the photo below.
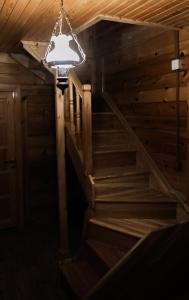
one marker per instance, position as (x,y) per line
(135,227)
(108,253)
(113,148)
(80,276)
(136,195)
(103,113)
(117,130)
(114,171)
(121,175)
(108,150)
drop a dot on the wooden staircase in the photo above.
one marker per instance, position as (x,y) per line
(132,208)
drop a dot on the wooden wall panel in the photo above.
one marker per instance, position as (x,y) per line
(138,76)
(40,149)
(38,126)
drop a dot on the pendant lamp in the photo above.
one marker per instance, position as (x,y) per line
(59,52)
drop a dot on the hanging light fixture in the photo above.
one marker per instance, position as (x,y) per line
(59,54)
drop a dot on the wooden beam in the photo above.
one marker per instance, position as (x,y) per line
(36,50)
(24,61)
(112,18)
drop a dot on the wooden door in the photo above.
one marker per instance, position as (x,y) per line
(8,181)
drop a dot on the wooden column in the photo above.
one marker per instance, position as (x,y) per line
(187,172)
(87,128)
(61,170)
(177,55)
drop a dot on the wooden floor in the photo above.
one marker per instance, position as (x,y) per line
(29,262)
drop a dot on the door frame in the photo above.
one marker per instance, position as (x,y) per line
(15,89)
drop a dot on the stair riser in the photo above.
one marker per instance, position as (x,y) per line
(99,265)
(109,160)
(109,139)
(124,241)
(122,187)
(106,122)
(133,210)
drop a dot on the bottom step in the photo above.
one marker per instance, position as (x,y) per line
(80,276)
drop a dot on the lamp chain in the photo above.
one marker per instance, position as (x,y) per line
(63,14)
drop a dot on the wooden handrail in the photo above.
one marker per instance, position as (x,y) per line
(79,118)
(162,181)
(74,78)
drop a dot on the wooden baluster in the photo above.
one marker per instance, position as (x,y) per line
(67,110)
(71,106)
(87,128)
(78,118)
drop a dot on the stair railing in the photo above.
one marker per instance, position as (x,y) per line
(78,116)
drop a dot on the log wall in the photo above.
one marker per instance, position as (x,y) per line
(38,130)
(137,74)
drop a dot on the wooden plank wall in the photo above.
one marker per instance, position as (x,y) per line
(137,74)
(38,127)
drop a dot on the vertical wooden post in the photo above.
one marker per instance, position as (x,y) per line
(187,169)
(61,170)
(78,113)
(71,106)
(87,129)
(102,75)
(66,100)
(19,155)
(177,55)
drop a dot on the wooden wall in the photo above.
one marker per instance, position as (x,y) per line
(38,132)
(137,74)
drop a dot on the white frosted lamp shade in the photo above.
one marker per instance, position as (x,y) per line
(62,55)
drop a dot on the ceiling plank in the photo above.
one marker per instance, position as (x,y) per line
(15,16)
(34,19)
(162,10)
(6,11)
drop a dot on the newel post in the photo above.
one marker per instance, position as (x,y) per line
(187,166)
(61,169)
(87,128)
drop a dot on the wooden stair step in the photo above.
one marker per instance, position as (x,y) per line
(110,137)
(144,203)
(105,120)
(125,177)
(112,158)
(80,276)
(123,172)
(114,147)
(109,254)
(115,171)
(136,227)
(114,225)
(136,195)
(99,229)
(122,183)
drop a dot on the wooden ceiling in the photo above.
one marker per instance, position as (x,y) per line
(34,19)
